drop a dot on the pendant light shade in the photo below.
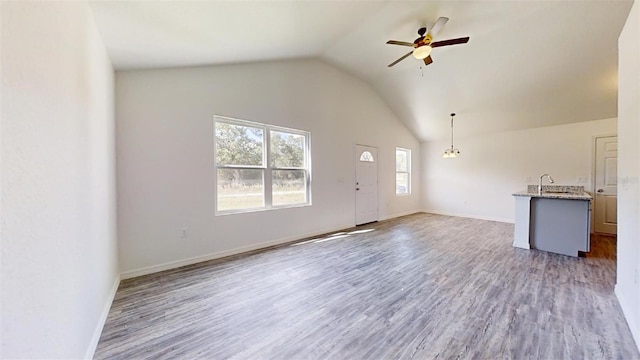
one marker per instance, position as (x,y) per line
(451,152)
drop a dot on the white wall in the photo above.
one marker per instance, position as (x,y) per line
(164,154)
(628,287)
(479,184)
(59,257)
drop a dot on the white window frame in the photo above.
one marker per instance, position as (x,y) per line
(267,167)
(408,172)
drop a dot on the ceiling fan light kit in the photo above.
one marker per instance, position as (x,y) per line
(422,52)
(451,152)
(423,44)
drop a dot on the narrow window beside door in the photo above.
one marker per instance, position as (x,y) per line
(403,171)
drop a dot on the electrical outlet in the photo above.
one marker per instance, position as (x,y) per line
(184,232)
(581,179)
(527,179)
(635,277)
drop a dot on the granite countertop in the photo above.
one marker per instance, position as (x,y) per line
(568,192)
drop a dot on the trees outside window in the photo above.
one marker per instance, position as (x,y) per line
(260,166)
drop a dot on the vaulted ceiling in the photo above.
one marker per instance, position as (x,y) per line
(528,63)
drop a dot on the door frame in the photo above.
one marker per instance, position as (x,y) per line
(355,177)
(592,208)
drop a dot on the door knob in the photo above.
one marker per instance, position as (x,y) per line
(357,189)
(600,190)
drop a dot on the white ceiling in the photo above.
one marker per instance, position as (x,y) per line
(528,63)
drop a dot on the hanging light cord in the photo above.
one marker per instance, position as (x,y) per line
(452,115)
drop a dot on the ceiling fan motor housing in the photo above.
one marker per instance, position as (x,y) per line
(423,40)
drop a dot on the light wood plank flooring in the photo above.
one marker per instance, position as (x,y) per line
(422,286)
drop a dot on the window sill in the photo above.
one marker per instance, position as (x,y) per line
(236,212)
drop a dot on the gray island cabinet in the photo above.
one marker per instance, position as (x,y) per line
(556,220)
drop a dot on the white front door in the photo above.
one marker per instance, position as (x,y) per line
(606,181)
(366,184)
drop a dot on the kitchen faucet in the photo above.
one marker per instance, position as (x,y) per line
(540,182)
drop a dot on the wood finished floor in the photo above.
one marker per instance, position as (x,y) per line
(422,286)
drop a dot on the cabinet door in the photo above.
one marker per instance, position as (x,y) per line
(560,226)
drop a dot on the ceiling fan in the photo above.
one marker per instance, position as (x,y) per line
(423,45)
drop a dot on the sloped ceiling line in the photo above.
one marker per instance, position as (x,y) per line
(528,63)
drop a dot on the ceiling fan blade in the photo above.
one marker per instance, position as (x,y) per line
(402,58)
(428,60)
(463,40)
(403,43)
(438,25)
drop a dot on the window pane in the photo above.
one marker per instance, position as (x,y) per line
(289,187)
(287,150)
(402,183)
(238,145)
(240,189)
(401,160)
(366,156)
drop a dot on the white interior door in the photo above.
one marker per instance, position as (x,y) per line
(366,184)
(606,181)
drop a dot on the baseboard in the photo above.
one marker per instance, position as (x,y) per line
(634,327)
(488,218)
(102,320)
(220,254)
(400,215)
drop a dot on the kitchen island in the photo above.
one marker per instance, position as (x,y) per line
(556,220)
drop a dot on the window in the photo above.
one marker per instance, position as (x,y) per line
(260,166)
(403,171)
(366,157)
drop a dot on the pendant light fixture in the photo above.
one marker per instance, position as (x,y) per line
(451,152)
